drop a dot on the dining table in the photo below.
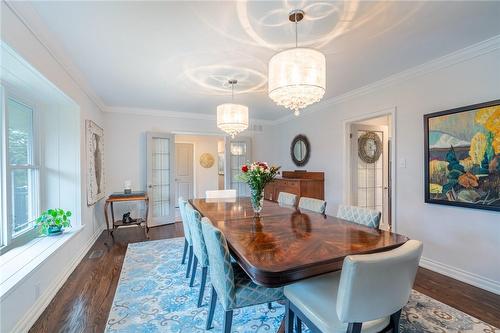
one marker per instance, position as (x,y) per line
(284,244)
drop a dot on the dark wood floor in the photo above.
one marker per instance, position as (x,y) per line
(84,301)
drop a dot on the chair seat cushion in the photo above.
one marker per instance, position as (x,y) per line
(249,293)
(316,298)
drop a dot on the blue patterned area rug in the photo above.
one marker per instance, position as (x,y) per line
(153,296)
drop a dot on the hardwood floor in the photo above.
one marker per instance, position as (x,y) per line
(84,301)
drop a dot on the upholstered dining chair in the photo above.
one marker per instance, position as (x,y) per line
(366,296)
(231,286)
(188,247)
(199,249)
(287,199)
(315,205)
(365,216)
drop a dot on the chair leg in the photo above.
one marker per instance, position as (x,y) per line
(395,321)
(211,309)
(228,321)
(190,259)
(354,328)
(299,325)
(202,284)
(184,253)
(193,272)
(269,305)
(289,318)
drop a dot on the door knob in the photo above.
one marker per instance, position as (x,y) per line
(150,186)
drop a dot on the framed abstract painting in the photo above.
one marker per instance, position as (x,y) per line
(462,156)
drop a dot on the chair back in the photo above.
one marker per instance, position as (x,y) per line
(185,223)
(221,270)
(373,286)
(364,216)
(315,205)
(197,239)
(220,194)
(288,199)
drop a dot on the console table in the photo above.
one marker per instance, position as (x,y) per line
(120,197)
(300,183)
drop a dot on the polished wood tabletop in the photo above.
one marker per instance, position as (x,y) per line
(285,245)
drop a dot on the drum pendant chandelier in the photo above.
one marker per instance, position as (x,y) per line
(232,118)
(297,77)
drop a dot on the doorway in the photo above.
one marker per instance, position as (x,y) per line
(371,166)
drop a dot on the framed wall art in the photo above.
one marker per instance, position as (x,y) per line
(462,156)
(95,162)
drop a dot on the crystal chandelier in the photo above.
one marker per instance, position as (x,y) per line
(232,118)
(297,77)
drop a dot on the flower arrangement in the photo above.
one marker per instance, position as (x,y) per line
(257,175)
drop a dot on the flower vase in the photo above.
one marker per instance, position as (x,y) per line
(257,199)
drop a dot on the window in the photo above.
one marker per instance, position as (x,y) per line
(21,188)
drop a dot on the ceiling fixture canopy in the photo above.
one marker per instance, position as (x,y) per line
(297,77)
(232,118)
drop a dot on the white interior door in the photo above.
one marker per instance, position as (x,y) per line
(160,161)
(237,152)
(184,178)
(370,181)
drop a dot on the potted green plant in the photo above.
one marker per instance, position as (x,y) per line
(52,221)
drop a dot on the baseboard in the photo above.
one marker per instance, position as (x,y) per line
(44,300)
(461,275)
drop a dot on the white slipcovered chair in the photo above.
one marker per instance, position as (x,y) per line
(287,199)
(315,205)
(359,215)
(366,296)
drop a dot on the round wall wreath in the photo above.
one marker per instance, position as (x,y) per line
(369,147)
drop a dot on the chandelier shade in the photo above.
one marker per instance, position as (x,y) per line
(297,78)
(232,118)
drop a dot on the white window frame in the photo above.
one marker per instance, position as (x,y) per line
(10,240)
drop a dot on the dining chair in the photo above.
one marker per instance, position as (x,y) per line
(199,249)
(288,199)
(231,286)
(367,295)
(220,194)
(365,216)
(315,205)
(188,247)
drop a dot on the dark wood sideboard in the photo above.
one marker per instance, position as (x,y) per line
(300,183)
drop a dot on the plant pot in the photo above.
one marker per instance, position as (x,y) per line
(257,198)
(54,230)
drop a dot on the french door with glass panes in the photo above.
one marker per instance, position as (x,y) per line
(238,151)
(160,173)
(370,181)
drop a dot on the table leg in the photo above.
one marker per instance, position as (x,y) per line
(112,219)
(281,329)
(146,218)
(106,215)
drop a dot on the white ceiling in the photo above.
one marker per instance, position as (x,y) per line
(177,56)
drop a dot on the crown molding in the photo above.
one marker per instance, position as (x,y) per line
(174,114)
(32,21)
(467,53)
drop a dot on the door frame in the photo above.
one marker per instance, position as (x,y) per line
(346,156)
(149,175)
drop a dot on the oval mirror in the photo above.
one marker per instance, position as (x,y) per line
(300,150)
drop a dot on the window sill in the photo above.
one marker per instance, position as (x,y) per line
(18,263)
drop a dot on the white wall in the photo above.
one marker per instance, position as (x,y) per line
(21,306)
(205,178)
(460,242)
